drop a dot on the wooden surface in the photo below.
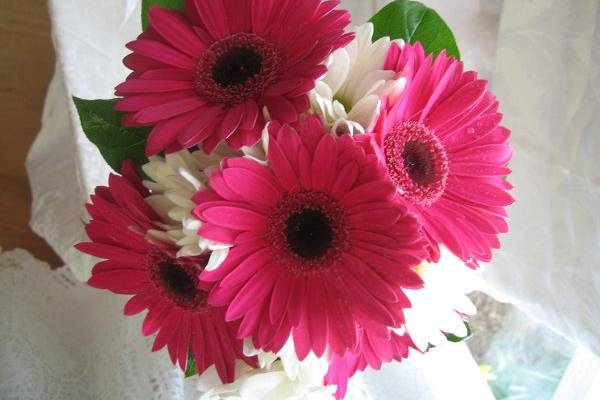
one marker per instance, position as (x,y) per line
(26,65)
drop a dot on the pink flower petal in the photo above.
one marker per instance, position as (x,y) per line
(235,218)
(281,109)
(162,53)
(257,287)
(213,17)
(231,122)
(281,166)
(324,163)
(133,86)
(247,268)
(371,191)
(165,132)
(251,186)
(173,28)
(167,331)
(167,110)
(458,103)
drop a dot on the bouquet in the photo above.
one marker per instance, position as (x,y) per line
(285,187)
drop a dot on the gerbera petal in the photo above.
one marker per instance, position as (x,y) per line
(214,18)
(173,28)
(371,191)
(324,163)
(257,287)
(479,192)
(167,110)
(231,121)
(282,290)
(251,187)
(138,102)
(161,52)
(457,104)
(345,180)
(247,268)
(281,166)
(169,328)
(162,134)
(234,218)
(137,304)
(281,109)
(135,86)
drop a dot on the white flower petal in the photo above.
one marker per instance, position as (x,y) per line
(174,180)
(354,74)
(161,205)
(435,308)
(216,258)
(366,111)
(338,70)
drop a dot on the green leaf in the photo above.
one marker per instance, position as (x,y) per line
(457,339)
(415,22)
(102,126)
(191,366)
(173,4)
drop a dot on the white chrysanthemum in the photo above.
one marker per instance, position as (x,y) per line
(310,371)
(174,179)
(268,384)
(348,97)
(436,307)
(280,376)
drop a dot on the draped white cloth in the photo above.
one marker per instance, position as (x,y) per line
(62,340)
(547,78)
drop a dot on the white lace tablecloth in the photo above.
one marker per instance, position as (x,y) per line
(62,340)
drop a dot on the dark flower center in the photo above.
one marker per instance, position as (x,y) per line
(236,68)
(309,233)
(416,161)
(177,280)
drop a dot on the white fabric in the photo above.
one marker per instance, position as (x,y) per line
(62,340)
(444,373)
(548,81)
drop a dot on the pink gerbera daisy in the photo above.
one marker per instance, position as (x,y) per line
(443,148)
(168,287)
(319,245)
(204,75)
(372,351)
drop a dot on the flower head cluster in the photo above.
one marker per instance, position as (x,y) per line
(285,265)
